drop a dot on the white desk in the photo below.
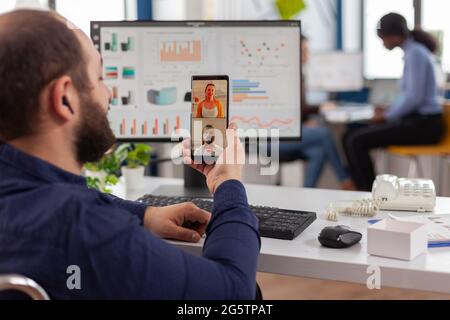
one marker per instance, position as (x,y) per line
(304,256)
(344,114)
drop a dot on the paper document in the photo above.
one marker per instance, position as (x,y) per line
(438,227)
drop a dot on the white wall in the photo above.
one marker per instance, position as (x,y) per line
(131,9)
(319,24)
(32,4)
(352,28)
(170,9)
(319,21)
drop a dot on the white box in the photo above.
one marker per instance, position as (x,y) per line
(397,239)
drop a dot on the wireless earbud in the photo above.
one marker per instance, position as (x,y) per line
(67,104)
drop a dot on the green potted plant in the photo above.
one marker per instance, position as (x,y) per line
(136,158)
(104,174)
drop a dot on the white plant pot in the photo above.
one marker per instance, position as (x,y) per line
(134,177)
(119,189)
(95,174)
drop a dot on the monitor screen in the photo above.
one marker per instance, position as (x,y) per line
(148,67)
(335,71)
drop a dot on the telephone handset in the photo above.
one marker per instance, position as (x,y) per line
(389,193)
(404,194)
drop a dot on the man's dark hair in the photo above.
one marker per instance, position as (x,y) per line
(36,47)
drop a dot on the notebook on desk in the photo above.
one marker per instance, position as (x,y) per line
(349,113)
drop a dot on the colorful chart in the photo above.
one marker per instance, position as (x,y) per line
(128,73)
(111,73)
(127,97)
(258,51)
(127,45)
(258,123)
(112,45)
(180,51)
(243,90)
(162,97)
(158,125)
(115,96)
(148,71)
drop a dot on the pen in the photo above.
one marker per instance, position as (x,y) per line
(439,245)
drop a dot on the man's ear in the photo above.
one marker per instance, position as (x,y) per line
(63,98)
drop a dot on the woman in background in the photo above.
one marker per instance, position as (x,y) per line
(416,118)
(317,145)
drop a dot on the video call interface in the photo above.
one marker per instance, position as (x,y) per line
(209,112)
(148,69)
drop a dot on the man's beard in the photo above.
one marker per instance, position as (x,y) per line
(94,136)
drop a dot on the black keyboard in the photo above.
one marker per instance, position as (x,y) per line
(273,222)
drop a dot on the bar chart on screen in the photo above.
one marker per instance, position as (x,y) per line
(148,67)
(112,43)
(149,127)
(247,91)
(111,72)
(116,42)
(122,97)
(180,51)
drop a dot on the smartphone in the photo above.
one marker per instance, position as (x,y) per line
(209,117)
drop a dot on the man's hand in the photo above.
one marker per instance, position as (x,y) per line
(312,123)
(167,222)
(327,106)
(379,116)
(228,165)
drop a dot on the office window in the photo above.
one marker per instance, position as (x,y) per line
(177,10)
(82,12)
(7,5)
(435,19)
(379,63)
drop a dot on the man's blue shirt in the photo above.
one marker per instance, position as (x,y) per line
(50,220)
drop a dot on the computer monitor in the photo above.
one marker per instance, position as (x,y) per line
(148,67)
(384,92)
(335,71)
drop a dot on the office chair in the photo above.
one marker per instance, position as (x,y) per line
(23,284)
(441,150)
(255,177)
(259,294)
(284,159)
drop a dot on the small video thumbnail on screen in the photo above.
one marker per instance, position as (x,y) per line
(209,117)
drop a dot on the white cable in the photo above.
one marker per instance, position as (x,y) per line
(359,208)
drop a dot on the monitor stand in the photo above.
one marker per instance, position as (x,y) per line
(194,186)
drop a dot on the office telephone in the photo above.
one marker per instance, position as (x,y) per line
(389,193)
(404,194)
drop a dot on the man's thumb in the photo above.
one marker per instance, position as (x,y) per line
(185,234)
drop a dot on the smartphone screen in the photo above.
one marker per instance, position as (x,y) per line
(209,120)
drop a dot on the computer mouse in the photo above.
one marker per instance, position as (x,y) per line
(339,237)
